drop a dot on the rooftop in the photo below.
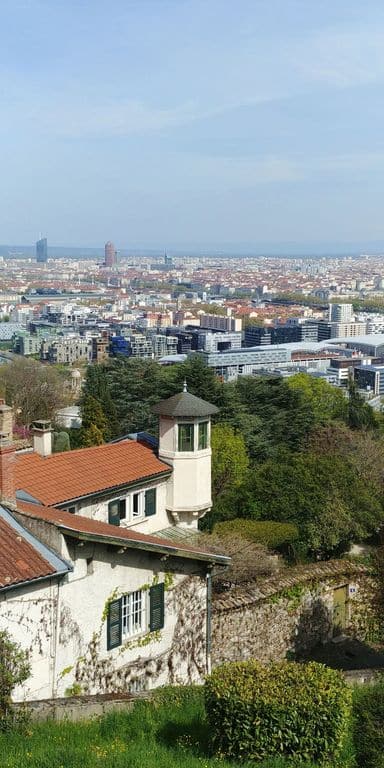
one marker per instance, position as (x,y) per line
(74,474)
(23,558)
(184,404)
(95,530)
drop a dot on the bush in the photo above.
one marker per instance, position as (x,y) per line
(368,725)
(271,534)
(299,711)
(14,670)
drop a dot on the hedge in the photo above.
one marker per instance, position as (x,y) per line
(368,725)
(299,711)
(271,534)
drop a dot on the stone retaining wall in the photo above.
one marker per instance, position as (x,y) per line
(284,615)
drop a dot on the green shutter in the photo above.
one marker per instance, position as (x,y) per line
(156,607)
(150,502)
(114,512)
(114,624)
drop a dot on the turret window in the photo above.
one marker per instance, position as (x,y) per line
(186,437)
(203,435)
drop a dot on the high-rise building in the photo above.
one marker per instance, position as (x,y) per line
(42,250)
(340,313)
(110,254)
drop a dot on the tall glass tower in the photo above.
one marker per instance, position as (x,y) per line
(42,250)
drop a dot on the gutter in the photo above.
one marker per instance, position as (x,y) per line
(32,582)
(165,549)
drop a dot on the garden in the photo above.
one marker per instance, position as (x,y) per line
(285,715)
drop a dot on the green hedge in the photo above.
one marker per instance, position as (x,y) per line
(368,725)
(265,532)
(298,711)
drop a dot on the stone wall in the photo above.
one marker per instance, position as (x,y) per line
(287,614)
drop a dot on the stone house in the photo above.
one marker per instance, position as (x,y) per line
(99,579)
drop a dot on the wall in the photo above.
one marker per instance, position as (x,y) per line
(286,614)
(64,625)
(97,509)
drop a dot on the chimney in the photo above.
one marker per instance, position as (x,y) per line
(7,455)
(42,437)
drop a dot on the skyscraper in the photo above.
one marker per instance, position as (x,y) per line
(42,250)
(110,254)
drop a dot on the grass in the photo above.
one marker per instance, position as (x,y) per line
(168,732)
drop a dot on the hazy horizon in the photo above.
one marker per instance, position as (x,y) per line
(192,123)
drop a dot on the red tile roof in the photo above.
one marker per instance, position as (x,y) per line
(19,560)
(78,524)
(70,475)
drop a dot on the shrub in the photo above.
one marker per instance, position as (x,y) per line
(14,670)
(299,711)
(271,534)
(368,725)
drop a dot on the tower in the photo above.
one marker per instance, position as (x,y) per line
(42,250)
(110,254)
(184,443)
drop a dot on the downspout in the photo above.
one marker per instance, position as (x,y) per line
(55,640)
(208,622)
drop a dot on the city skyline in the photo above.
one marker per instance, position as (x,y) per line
(192,125)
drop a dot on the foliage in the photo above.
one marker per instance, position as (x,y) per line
(368,725)
(14,670)
(296,710)
(61,442)
(271,534)
(326,401)
(94,429)
(229,463)
(322,494)
(249,560)
(34,390)
(360,413)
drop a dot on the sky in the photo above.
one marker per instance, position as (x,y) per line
(196,124)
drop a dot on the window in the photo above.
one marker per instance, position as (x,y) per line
(136,505)
(116,511)
(135,613)
(203,435)
(186,437)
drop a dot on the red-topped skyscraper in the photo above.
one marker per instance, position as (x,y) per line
(110,254)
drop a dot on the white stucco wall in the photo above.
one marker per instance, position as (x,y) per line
(98,509)
(65,626)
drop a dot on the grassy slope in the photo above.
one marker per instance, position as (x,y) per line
(167,733)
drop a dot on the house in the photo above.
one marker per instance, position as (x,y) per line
(101,578)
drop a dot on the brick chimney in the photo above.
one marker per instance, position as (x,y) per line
(7,455)
(42,437)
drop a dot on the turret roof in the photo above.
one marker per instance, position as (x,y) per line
(184,404)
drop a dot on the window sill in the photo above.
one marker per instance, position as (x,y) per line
(132,523)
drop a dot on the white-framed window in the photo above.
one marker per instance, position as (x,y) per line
(133,613)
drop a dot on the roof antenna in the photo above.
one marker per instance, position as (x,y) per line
(185,386)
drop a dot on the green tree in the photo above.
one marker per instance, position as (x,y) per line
(326,401)
(360,413)
(14,670)
(94,423)
(61,442)
(91,436)
(229,460)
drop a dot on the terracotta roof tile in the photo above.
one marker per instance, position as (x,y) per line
(19,560)
(72,474)
(79,524)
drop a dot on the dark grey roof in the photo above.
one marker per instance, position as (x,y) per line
(184,404)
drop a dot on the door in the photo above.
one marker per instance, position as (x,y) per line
(340,614)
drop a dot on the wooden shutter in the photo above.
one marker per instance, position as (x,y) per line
(156,607)
(114,512)
(114,624)
(150,502)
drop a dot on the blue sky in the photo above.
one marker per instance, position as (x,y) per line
(192,123)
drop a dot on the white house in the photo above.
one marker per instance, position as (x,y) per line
(99,577)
